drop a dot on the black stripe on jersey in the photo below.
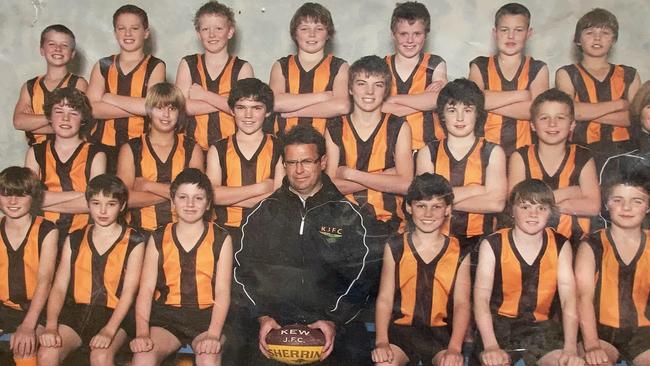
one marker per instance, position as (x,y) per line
(98,293)
(397,252)
(529,277)
(189,291)
(625,284)
(161,283)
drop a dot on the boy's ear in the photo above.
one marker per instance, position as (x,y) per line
(146,33)
(573,125)
(494,33)
(409,210)
(231,31)
(530,33)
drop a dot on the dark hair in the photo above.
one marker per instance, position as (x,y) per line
(59,28)
(131,9)
(512,9)
(166,94)
(75,99)
(214,8)
(637,178)
(21,181)
(599,18)
(251,88)
(428,185)
(551,95)
(466,92)
(641,100)
(110,186)
(534,191)
(304,135)
(313,11)
(371,65)
(410,11)
(194,176)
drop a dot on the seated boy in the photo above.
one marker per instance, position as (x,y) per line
(369,152)
(207,78)
(510,80)
(57,48)
(417,76)
(28,250)
(309,86)
(245,167)
(425,283)
(119,83)
(567,168)
(602,90)
(475,167)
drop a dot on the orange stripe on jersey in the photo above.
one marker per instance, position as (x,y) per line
(474,175)
(321,79)
(617,91)
(377,164)
(201,119)
(641,287)
(227,125)
(609,315)
(111,79)
(83,270)
(32,258)
(150,173)
(171,266)
(512,282)
(593,131)
(38,97)
(205,271)
(443,283)
(136,124)
(115,262)
(408,282)
(4,274)
(547,285)
(234,179)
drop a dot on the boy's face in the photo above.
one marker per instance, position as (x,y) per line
(531,217)
(311,37)
(553,123)
(645,118)
(65,120)
(429,215)
(511,34)
(164,118)
(249,115)
(627,206)
(104,210)
(409,38)
(190,202)
(460,119)
(368,91)
(130,32)
(596,41)
(57,48)
(15,207)
(214,32)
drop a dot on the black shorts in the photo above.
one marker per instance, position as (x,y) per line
(629,342)
(419,343)
(10,319)
(88,320)
(537,339)
(184,323)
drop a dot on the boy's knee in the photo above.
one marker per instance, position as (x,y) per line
(206,359)
(101,357)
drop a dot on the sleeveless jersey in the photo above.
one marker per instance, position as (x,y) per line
(588,89)
(237,171)
(19,267)
(298,81)
(186,279)
(207,129)
(151,167)
(97,279)
(622,290)
(510,133)
(521,290)
(471,169)
(424,291)
(116,132)
(38,94)
(425,126)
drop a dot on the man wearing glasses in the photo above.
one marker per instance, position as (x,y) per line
(306,254)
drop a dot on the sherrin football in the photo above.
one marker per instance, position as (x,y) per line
(295,344)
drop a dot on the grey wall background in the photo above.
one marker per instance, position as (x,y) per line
(460,31)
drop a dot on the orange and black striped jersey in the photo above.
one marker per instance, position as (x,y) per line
(187,278)
(238,171)
(207,129)
(38,94)
(298,81)
(471,169)
(425,126)
(567,175)
(374,155)
(424,291)
(521,290)
(622,297)
(19,267)
(71,175)
(116,132)
(510,133)
(588,89)
(150,166)
(97,278)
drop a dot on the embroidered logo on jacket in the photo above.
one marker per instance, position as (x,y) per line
(331,232)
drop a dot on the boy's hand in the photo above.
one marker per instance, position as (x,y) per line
(325,96)
(596,356)
(266,324)
(451,358)
(196,91)
(141,344)
(343,172)
(570,359)
(208,343)
(495,356)
(382,353)
(103,339)
(436,86)
(50,338)
(141,184)
(329,330)
(23,341)
(28,110)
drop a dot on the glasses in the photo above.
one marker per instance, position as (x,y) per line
(305,163)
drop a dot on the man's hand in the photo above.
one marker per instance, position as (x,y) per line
(329,330)
(266,325)
(23,341)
